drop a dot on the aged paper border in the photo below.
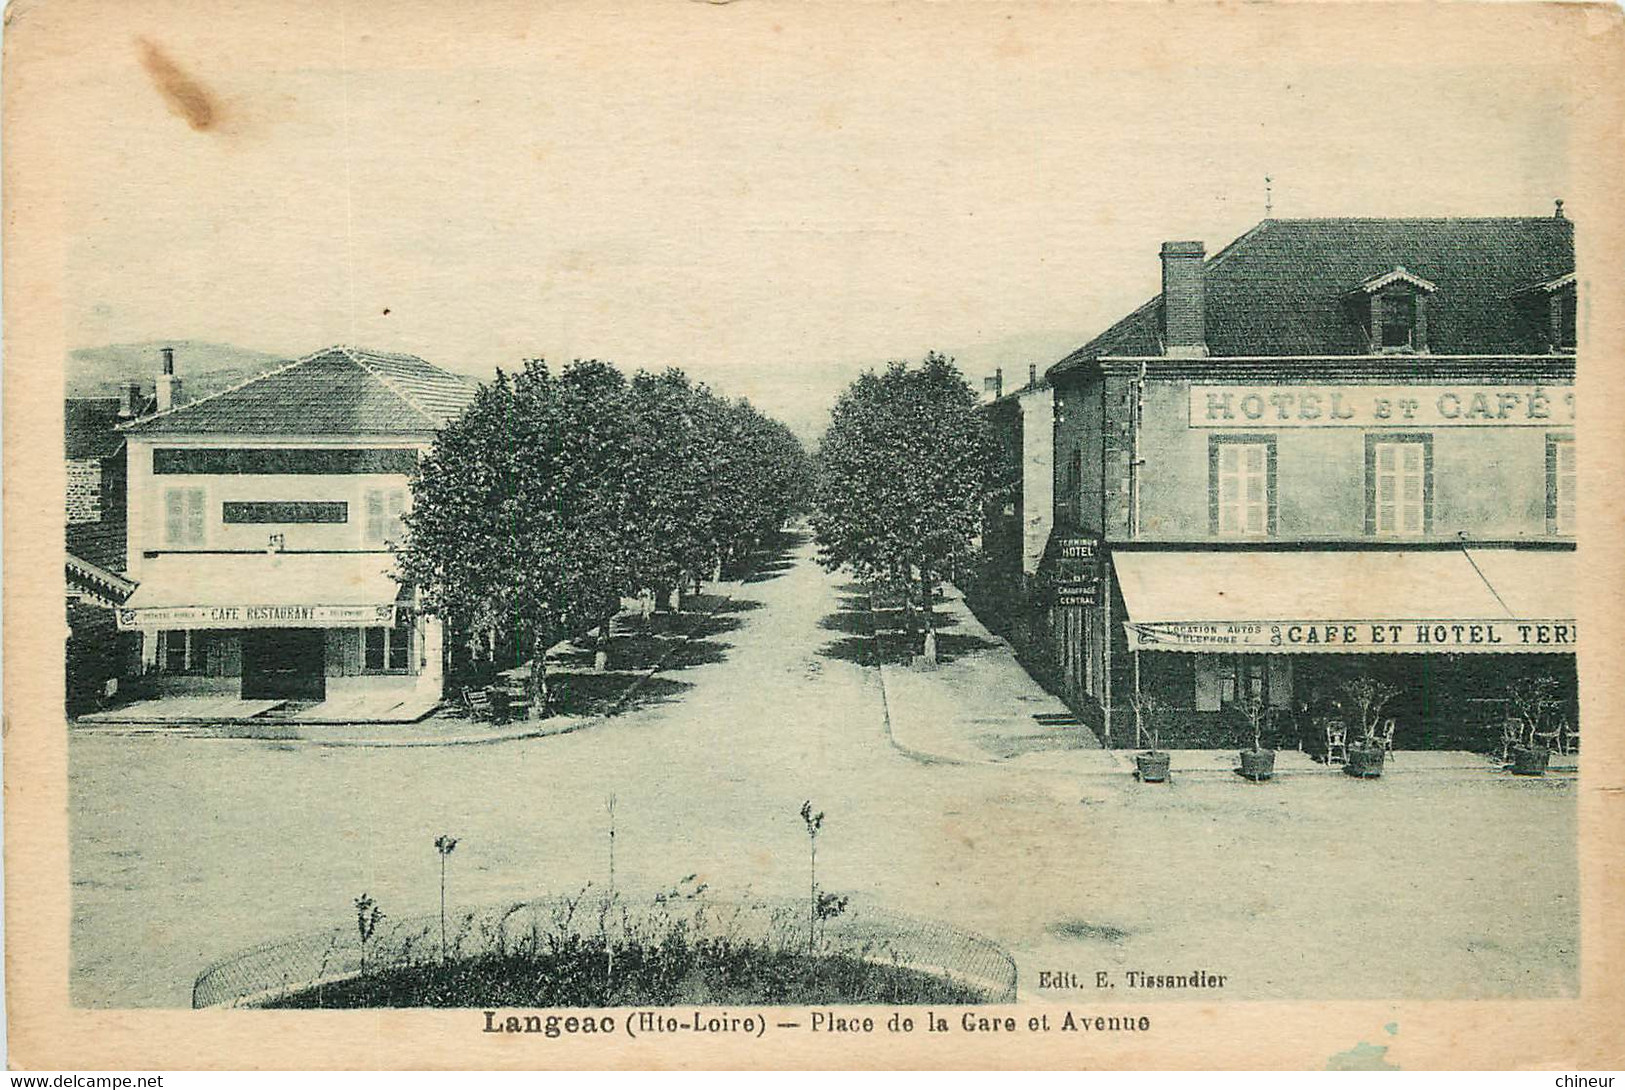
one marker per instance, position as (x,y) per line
(44,40)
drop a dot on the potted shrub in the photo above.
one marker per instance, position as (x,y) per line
(1150,765)
(1533,701)
(1362,702)
(1258,763)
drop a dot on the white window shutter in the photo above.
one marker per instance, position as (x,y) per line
(1207,683)
(1280,680)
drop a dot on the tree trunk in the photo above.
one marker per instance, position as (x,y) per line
(930,628)
(600,658)
(538,676)
(910,627)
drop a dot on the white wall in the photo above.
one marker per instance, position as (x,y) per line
(1037,474)
(147,498)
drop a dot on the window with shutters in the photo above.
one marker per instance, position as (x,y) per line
(1562,485)
(183,516)
(175,650)
(387,650)
(1241,486)
(1225,681)
(385,506)
(1399,485)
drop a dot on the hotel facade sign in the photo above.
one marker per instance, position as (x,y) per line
(258,616)
(1365,406)
(1076,570)
(1356,637)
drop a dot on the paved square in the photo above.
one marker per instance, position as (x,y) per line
(1421,885)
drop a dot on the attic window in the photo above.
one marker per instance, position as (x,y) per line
(1397,321)
(1398,318)
(1550,308)
(1562,313)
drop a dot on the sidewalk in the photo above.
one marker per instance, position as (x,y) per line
(980,706)
(440,729)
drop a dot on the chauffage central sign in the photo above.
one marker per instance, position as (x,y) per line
(1361,406)
(1076,570)
(1355,637)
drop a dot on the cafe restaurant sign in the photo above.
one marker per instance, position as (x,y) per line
(258,616)
(1356,637)
(1361,406)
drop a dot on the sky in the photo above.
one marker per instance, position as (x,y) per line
(772,197)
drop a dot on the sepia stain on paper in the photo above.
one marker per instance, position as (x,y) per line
(186,97)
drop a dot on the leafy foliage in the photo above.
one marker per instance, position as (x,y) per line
(554,496)
(903,472)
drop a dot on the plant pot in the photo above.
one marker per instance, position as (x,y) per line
(1153,767)
(1530,760)
(1258,764)
(1364,762)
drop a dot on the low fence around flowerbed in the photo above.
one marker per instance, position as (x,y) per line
(274,973)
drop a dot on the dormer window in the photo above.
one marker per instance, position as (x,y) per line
(1564,331)
(1549,307)
(1397,320)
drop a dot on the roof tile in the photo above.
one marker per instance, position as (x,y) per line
(337,391)
(1281,288)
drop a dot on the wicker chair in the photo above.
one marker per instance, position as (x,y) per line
(1552,739)
(1512,734)
(478,703)
(1337,741)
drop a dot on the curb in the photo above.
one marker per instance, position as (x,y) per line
(541,730)
(891,736)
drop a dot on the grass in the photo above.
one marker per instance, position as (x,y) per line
(680,949)
(713,972)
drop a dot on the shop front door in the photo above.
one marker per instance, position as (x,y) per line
(284,664)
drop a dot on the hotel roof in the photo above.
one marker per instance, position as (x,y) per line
(1281,289)
(338,391)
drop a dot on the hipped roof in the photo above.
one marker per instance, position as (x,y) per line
(1282,288)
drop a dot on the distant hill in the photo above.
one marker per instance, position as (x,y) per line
(204,368)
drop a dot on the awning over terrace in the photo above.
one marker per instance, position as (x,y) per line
(1369,601)
(262,590)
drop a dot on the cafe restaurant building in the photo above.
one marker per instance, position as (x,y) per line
(1334,448)
(259,530)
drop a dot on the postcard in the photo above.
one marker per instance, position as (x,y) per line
(832,535)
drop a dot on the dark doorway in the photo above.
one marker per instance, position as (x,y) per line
(284,664)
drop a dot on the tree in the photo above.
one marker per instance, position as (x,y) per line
(670,534)
(709,478)
(518,513)
(552,497)
(902,472)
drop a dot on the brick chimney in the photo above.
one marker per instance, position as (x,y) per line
(130,400)
(169,383)
(1184,327)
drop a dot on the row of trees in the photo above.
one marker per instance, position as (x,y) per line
(902,474)
(555,495)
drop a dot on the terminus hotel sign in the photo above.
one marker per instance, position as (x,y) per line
(1368,406)
(1386,637)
